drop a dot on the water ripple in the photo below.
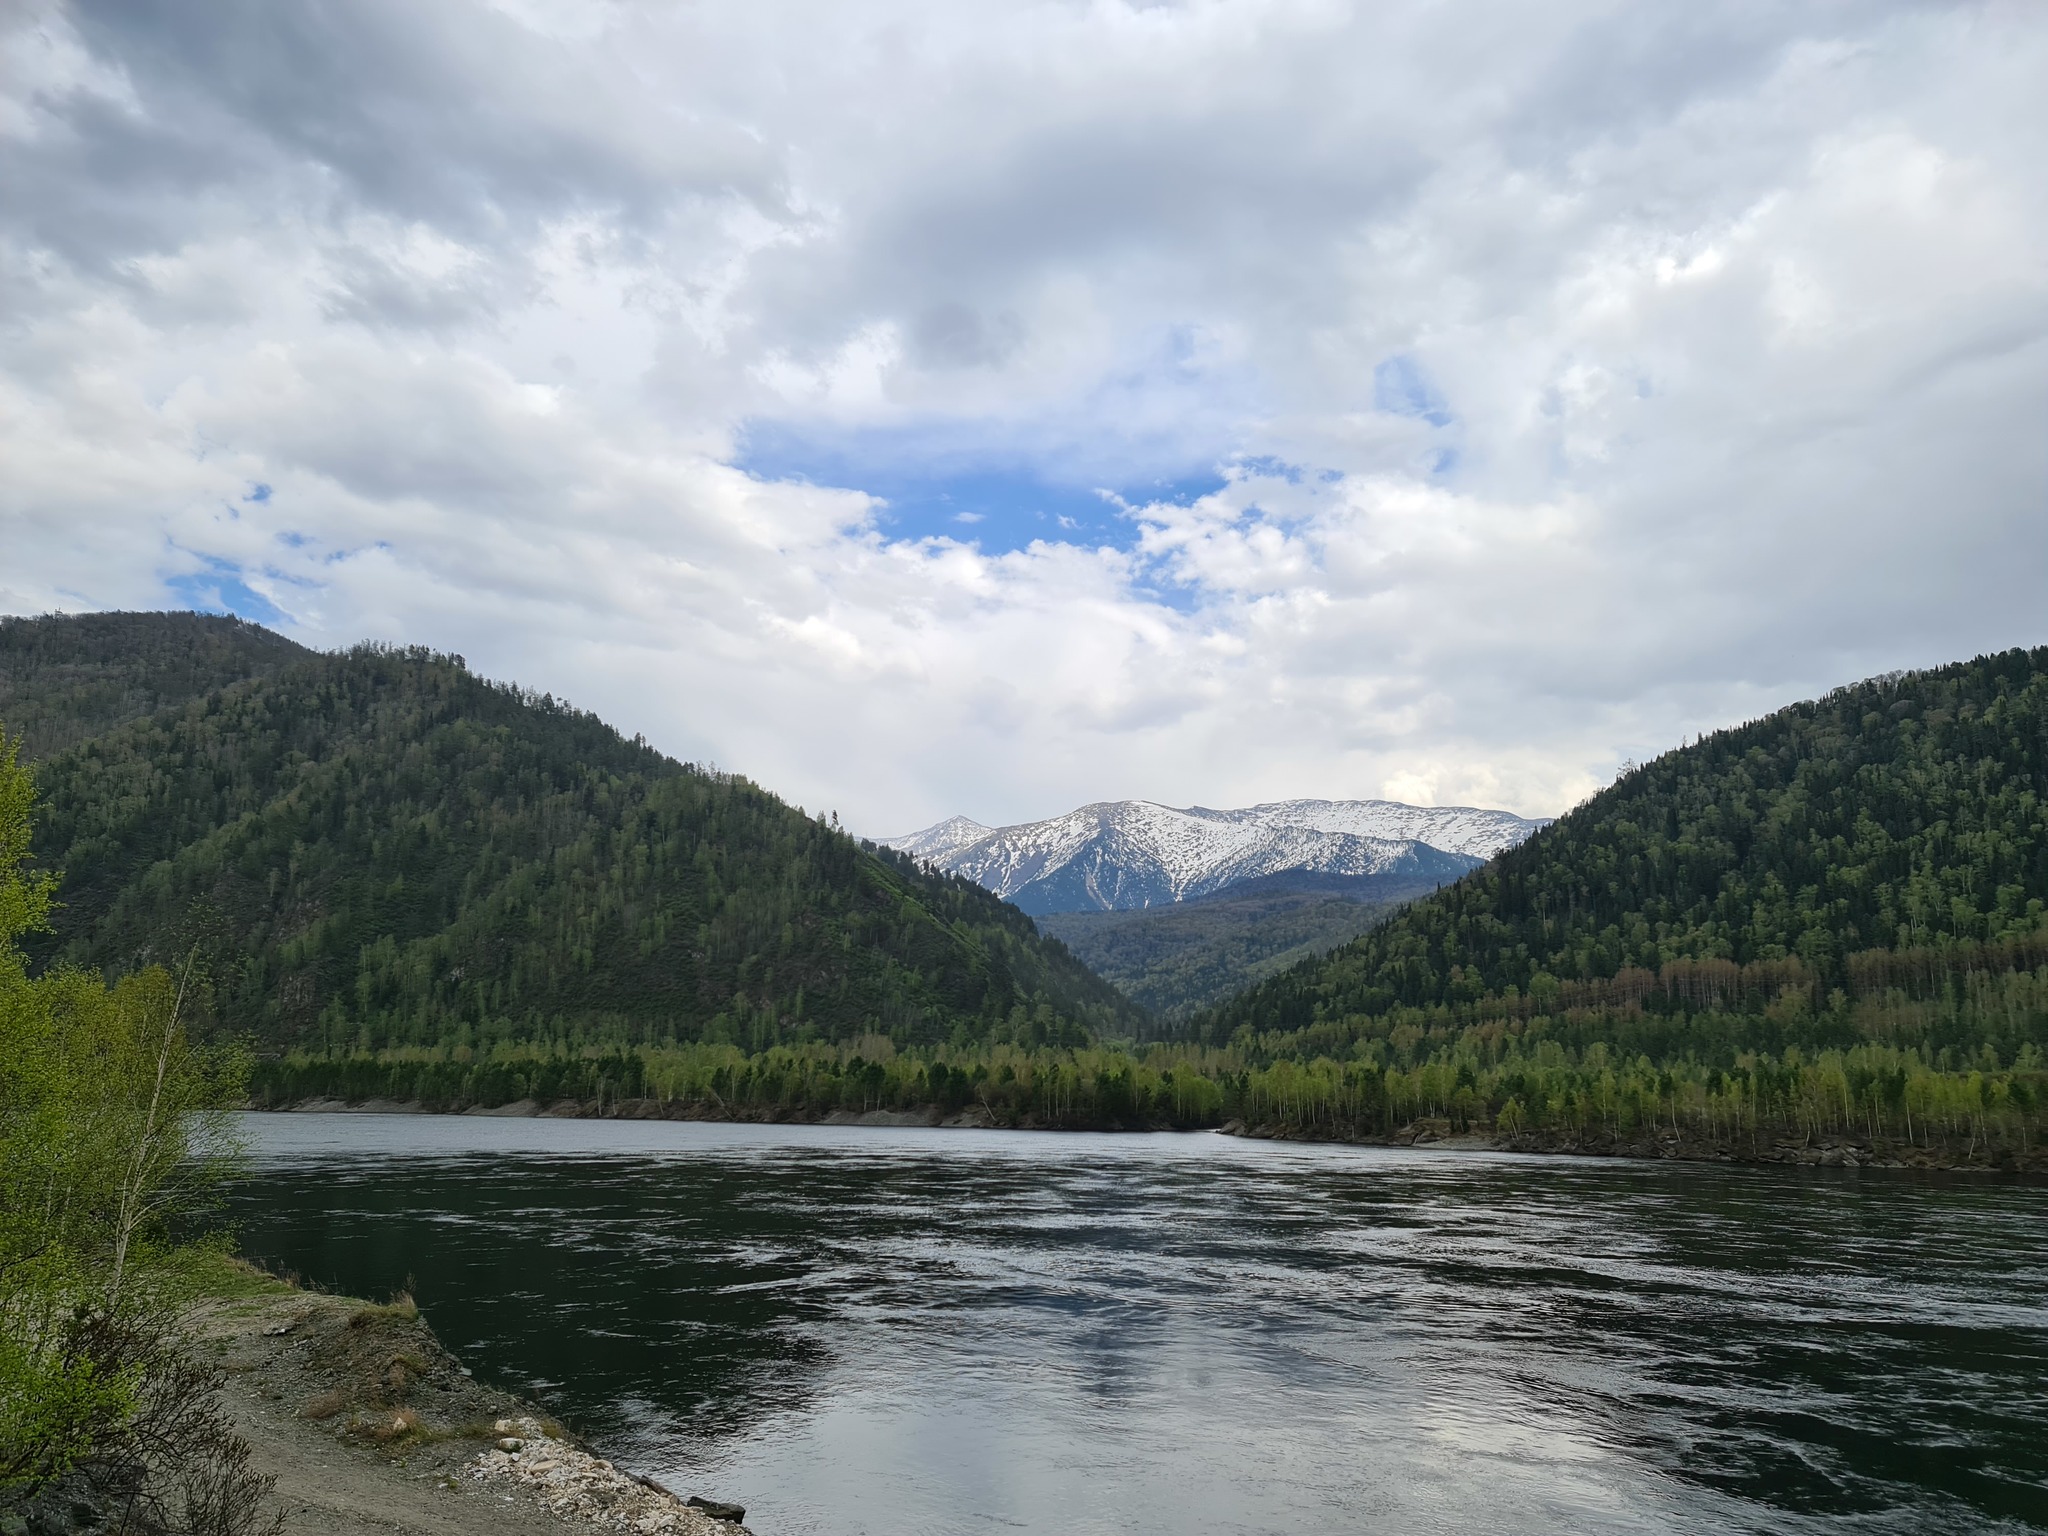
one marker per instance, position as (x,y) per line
(907,1331)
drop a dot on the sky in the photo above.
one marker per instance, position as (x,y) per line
(931,409)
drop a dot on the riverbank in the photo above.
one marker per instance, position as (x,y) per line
(1832,1151)
(368,1424)
(976,1117)
(1823,1151)
(1546,1093)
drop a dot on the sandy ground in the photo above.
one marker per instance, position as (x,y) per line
(368,1425)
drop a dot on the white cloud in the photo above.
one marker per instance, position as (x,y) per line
(1729,329)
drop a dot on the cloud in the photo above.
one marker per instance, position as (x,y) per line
(1488,393)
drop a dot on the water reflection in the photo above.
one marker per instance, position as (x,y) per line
(908,1331)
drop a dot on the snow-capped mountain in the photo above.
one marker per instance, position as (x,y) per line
(1120,854)
(939,843)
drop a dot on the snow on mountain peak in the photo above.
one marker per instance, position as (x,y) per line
(1135,853)
(938,843)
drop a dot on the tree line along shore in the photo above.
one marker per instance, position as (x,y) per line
(1931,1053)
(1528,1092)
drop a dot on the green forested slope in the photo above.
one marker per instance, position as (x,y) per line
(1825,923)
(379,849)
(406,882)
(1182,957)
(65,679)
(1830,848)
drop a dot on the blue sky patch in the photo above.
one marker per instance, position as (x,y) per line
(219,588)
(1401,388)
(1267,467)
(1001,500)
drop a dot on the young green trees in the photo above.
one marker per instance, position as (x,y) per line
(112,1128)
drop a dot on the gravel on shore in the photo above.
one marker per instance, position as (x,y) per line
(577,1485)
(369,1425)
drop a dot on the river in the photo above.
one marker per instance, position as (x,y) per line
(863,1330)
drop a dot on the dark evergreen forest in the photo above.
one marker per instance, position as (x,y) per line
(1179,958)
(1827,849)
(378,849)
(66,679)
(400,880)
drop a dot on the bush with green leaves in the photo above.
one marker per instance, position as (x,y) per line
(113,1130)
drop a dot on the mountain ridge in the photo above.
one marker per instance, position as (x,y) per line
(65,678)
(1119,855)
(377,848)
(1180,957)
(1795,866)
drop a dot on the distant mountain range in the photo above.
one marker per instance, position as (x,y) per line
(1120,855)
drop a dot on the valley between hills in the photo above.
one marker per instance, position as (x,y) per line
(1821,935)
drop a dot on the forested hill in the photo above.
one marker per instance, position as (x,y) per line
(66,679)
(378,849)
(1889,840)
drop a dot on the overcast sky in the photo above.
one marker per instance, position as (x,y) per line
(987,408)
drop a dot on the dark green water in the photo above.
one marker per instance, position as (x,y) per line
(954,1331)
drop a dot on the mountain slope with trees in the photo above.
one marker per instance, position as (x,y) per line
(68,678)
(1828,923)
(1187,955)
(1864,869)
(1826,847)
(1820,934)
(380,850)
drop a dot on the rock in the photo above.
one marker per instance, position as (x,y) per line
(574,1484)
(511,1445)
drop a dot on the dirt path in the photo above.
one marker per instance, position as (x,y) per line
(369,1425)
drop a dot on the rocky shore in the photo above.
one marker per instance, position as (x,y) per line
(368,1424)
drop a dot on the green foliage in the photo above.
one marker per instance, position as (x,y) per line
(1174,960)
(66,680)
(105,1139)
(409,883)
(25,893)
(379,849)
(1086,1087)
(1901,814)
(1875,1094)
(1535,1082)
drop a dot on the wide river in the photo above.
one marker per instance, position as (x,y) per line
(957,1331)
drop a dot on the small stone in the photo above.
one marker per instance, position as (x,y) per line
(511,1445)
(717,1511)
